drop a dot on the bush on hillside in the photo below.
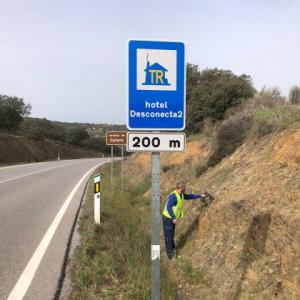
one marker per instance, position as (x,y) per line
(167,168)
(229,136)
(42,129)
(263,114)
(77,136)
(201,167)
(97,143)
(294,95)
(211,92)
(267,97)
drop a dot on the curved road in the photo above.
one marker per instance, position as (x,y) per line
(38,204)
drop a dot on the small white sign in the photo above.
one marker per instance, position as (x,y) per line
(155,142)
(155,252)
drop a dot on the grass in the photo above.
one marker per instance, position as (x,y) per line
(193,275)
(113,259)
(222,175)
(271,119)
(256,123)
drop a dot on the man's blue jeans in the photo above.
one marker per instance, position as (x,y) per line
(169,232)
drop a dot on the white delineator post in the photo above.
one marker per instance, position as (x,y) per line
(97,199)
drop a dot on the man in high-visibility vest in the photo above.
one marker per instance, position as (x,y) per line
(173,212)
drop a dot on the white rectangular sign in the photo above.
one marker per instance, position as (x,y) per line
(155,142)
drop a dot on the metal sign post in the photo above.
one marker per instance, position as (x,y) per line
(116,138)
(111,164)
(155,212)
(156,101)
(97,199)
(122,167)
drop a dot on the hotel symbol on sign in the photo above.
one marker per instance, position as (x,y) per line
(155,74)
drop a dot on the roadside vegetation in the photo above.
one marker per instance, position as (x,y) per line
(113,259)
(265,113)
(25,139)
(223,112)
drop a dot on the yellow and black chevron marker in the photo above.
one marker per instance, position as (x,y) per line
(97,187)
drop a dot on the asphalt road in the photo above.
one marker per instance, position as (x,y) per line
(38,204)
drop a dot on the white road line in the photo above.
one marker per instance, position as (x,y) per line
(21,287)
(37,163)
(35,172)
(24,165)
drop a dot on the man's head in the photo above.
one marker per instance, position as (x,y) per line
(180,186)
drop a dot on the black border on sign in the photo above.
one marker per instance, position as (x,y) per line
(159,133)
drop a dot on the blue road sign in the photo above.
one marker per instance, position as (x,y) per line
(156,87)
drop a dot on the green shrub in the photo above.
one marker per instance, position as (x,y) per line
(167,168)
(294,95)
(229,136)
(201,167)
(211,92)
(194,275)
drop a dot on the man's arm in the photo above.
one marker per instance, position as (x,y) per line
(172,201)
(192,196)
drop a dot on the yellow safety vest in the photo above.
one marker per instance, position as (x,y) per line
(177,209)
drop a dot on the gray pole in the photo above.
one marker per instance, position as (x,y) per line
(122,166)
(155,247)
(111,165)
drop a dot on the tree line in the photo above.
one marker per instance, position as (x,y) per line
(14,118)
(209,94)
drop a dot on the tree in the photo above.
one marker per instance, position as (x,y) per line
(12,112)
(58,133)
(294,95)
(42,129)
(192,79)
(211,92)
(97,143)
(77,136)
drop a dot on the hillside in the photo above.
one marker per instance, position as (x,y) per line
(19,149)
(246,244)
(98,130)
(41,139)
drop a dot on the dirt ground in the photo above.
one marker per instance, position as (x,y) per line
(246,245)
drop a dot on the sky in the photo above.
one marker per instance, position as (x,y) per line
(67,58)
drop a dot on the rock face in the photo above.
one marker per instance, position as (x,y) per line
(246,244)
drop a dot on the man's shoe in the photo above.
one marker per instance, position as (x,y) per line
(174,253)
